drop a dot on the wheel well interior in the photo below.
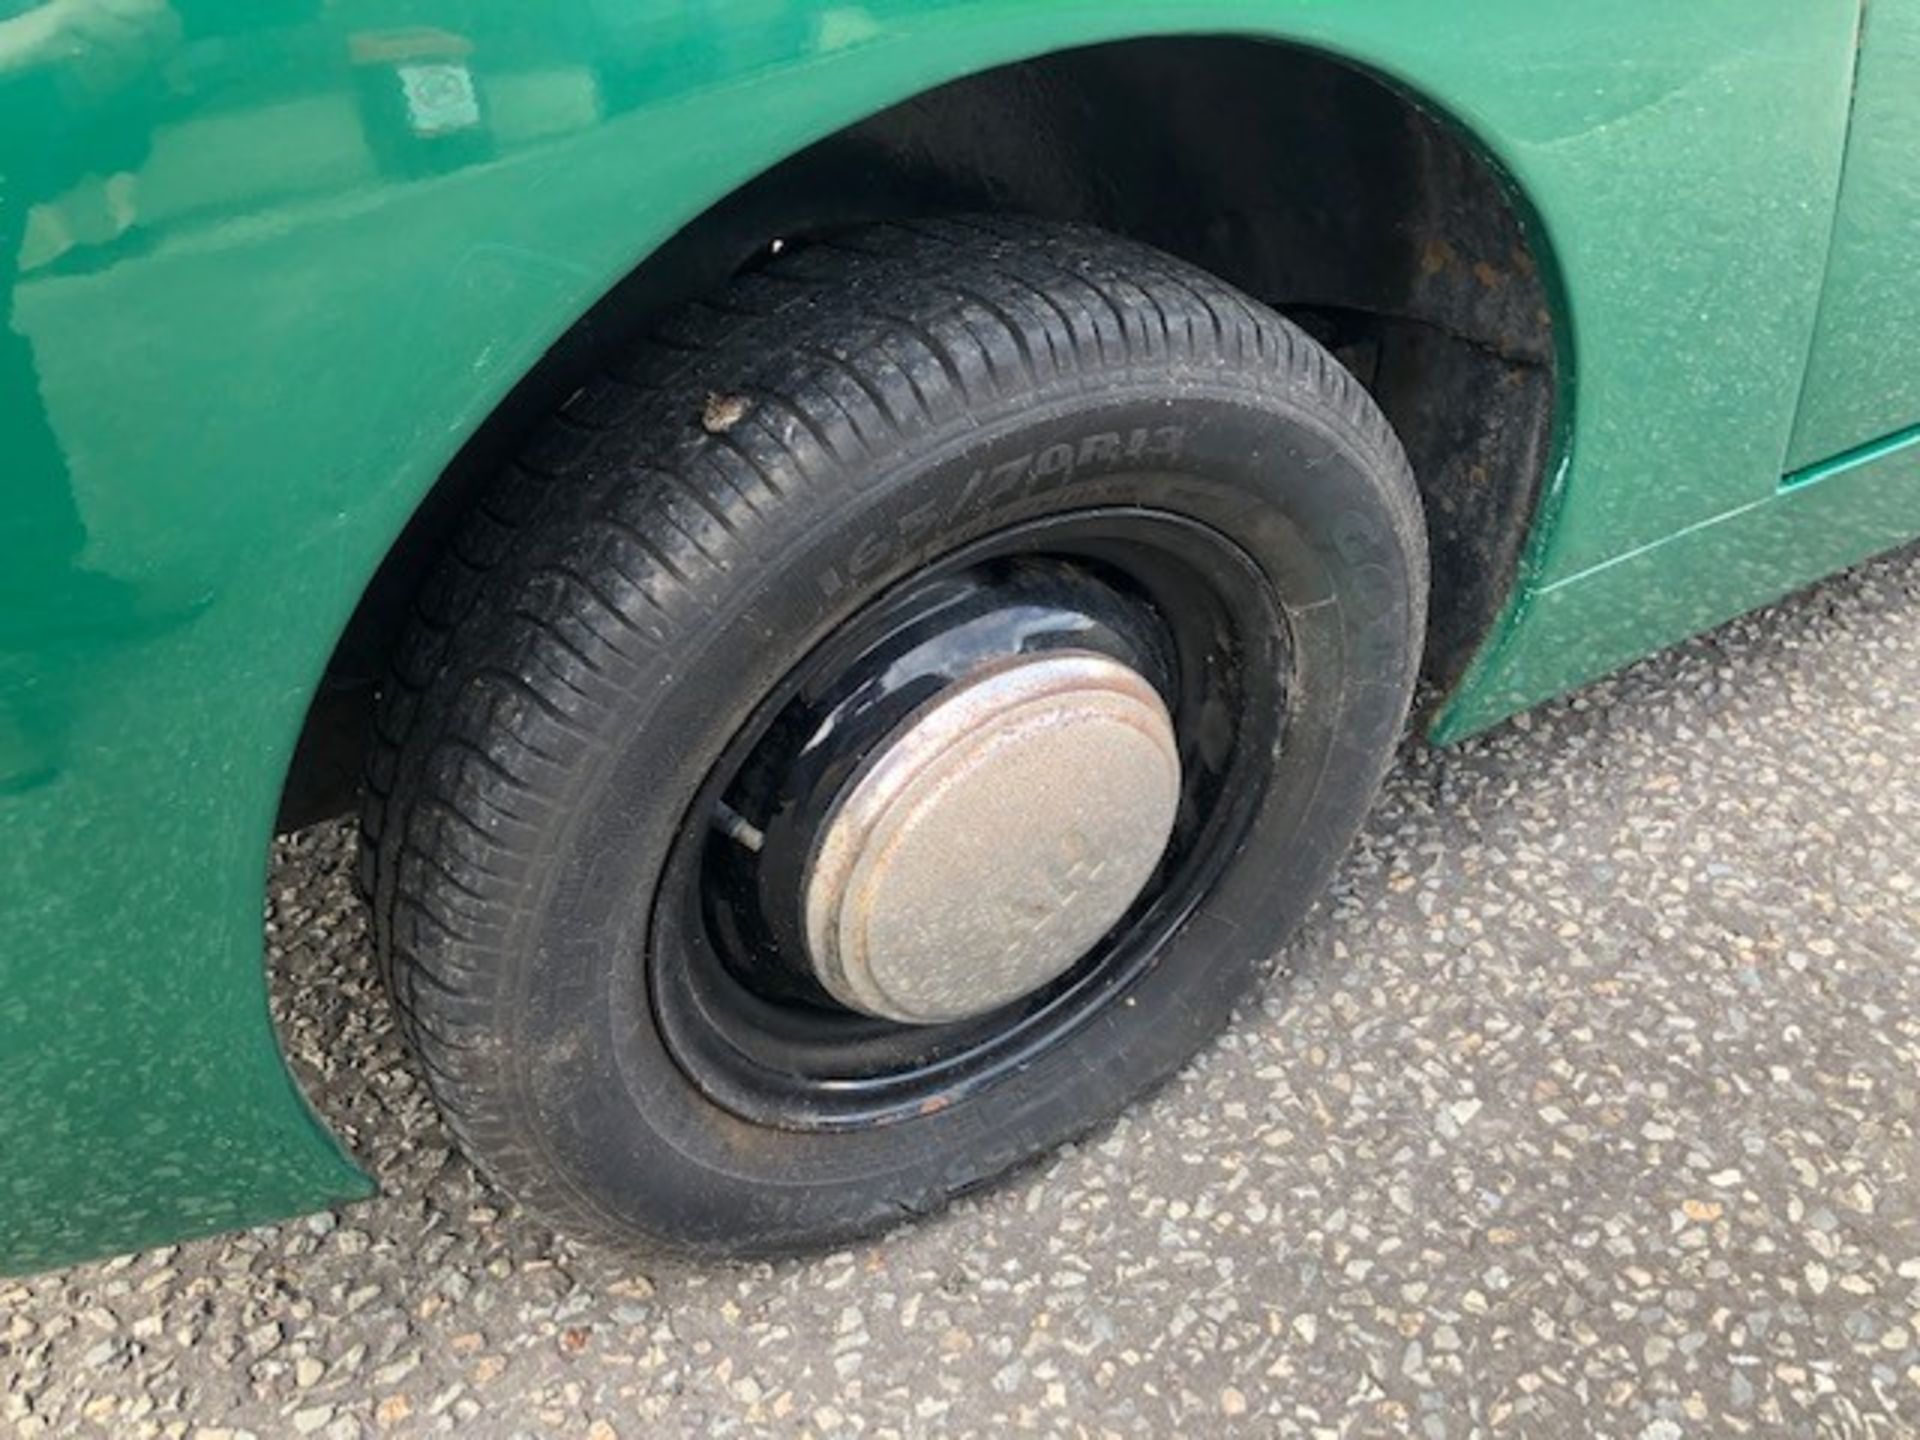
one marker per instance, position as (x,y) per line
(1311,184)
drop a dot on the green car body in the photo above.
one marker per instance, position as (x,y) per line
(267,269)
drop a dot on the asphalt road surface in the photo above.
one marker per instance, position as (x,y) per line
(1586,1105)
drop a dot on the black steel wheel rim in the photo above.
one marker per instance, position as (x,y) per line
(1175,599)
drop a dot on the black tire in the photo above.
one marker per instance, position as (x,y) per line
(626,594)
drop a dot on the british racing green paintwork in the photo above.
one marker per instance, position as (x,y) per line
(250,315)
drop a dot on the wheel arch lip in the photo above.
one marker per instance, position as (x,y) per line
(868,78)
(264,642)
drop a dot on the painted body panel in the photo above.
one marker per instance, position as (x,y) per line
(1831,517)
(349,229)
(1862,382)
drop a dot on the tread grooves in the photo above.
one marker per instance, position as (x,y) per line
(599,596)
(519,684)
(1012,327)
(645,545)
(935,347)
(748,459)
(805,421)
(865,386)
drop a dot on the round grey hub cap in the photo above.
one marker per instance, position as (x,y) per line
(995,837)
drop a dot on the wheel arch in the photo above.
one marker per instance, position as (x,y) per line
(1396,234)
